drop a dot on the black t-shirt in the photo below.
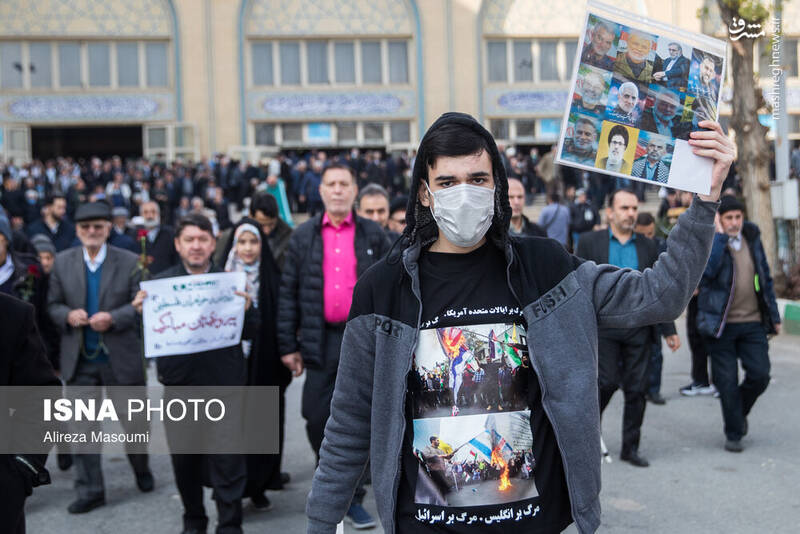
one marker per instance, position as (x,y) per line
(487,462)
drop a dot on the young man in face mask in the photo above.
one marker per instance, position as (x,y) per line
(459,300)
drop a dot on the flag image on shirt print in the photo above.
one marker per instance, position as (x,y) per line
(475,460)
(468,370)
(472,431)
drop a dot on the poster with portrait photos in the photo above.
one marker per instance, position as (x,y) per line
(639,88)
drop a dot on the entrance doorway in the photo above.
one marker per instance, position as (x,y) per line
(87,141)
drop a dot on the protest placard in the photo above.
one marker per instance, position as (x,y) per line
(639,88)
(189,314)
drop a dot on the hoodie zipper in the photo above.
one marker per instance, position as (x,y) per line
(572,501)
(730,301)
(396,486)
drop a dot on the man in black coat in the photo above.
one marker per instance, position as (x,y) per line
(225,473)
(264,210)
(23,362)
(325,257)
(624,353)
(54,223)
(159,244)
(520,224)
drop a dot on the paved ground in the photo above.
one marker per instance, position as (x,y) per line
(693,485)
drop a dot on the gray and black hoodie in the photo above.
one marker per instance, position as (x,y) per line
(565,300)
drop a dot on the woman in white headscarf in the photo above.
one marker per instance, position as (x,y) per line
(245,256)
(250,253)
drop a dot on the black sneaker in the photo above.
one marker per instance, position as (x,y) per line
(81,506)
(733,446)
(145,482)
(261,502)
(633,458)
(656,398)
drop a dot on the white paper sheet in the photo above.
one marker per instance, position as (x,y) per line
(190,314)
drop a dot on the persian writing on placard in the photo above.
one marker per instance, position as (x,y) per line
(190,314)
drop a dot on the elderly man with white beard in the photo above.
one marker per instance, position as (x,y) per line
(159,241)
(592,90)
(633,64)
(625,111)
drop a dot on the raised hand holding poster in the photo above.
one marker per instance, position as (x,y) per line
(639,88)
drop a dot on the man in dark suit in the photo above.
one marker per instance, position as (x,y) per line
(23,362)
(89,300)
(624,353)
(160,245)
(672,72)
(226,473)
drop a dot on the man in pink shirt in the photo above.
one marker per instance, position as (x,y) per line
(325,257)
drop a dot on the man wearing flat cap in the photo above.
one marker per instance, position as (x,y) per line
(736,311)
(89,299)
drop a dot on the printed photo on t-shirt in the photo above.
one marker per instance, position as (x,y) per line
(472,431)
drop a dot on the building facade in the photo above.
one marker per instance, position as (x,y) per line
(186,78)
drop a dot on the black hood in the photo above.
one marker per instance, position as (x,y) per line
(421,227)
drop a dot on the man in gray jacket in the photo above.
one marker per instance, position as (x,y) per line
(463,295)
(89,299)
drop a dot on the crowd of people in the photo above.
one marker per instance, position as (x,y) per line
(77,237)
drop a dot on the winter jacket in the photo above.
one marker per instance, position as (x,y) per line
(716,286)
(565,301)
(301,316)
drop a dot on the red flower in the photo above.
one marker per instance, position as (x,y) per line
(141,233)
(33,270)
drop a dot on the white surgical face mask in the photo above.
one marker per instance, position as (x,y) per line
(463,212)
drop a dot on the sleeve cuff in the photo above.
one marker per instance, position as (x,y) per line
(702,211)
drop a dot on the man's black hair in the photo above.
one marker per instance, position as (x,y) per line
(51,198)
(398,204)
(194,219)
(432,438)
(618,129)
(645,219)
(452,140)
(265,203)
(615,192)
